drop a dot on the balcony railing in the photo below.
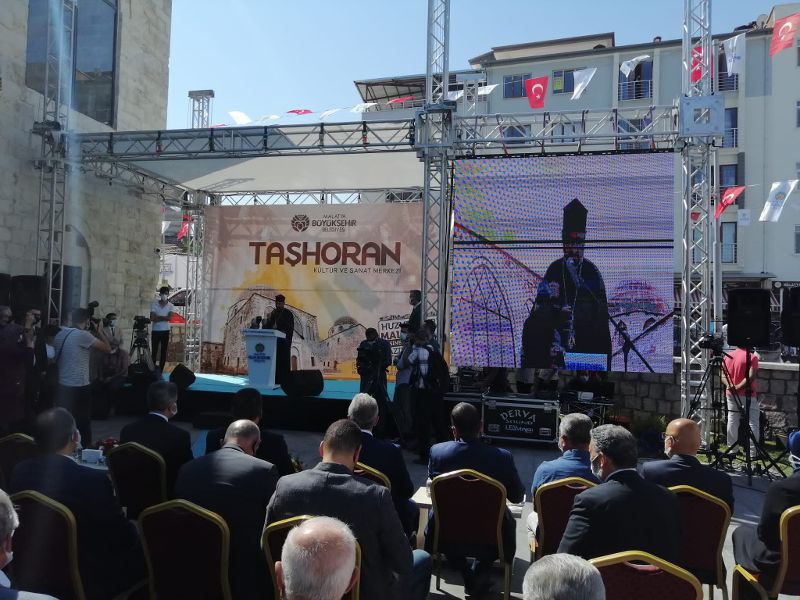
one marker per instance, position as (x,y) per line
(730,138)
(729,252)
(635,90)
(727,83)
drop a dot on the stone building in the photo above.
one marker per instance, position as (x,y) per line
(120,83)
(338,350)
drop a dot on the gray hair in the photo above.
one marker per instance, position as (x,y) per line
(318,560)
(363,410)
(575,427)
(242,430)
(563,577)
(617,443)
(9,520)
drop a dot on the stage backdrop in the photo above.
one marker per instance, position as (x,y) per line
(518,300)
(342,268)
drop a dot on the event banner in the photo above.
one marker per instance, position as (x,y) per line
(564,262)
(342,269)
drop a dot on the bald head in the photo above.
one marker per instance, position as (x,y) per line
(682,436)
(318,561)
(244,434)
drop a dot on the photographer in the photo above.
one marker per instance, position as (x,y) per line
(73,346)
(160,314)
(16,358)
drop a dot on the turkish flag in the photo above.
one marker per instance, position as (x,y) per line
(783,33)
(696,71)
(536,90)
(299,111)
(184,227)
(399,100)
(729,196)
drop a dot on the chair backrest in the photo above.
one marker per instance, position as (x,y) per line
(704,522)
(467,496)
(46,548)
(641,575)
(139,475)
(787,580)
(272,540)
(14,449)
(368,472)
(745,586)
(187,551)
(553,503)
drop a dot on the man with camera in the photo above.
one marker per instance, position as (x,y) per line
(73,346)
(160,313)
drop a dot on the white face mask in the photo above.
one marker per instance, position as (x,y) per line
(114,323)
(9,557)
(163,297)
(595,465)
(404,336)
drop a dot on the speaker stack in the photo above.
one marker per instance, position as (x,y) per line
(790,318)
(749,317)
(303,383)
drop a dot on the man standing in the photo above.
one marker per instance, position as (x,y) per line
(415,320)
(625,512)
(681,442)
(154,430)
(468,452)
(236,485)
(73,347)
(740,375)
(160,313)
(389,569)
(570,313)
(16,358)
(400,407)
(374,356)
(281,319)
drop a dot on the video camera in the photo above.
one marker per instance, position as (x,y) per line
(140,323)
(712,342)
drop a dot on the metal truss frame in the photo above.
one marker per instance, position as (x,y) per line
(201,108)
(53,190)
(365,196)
(197,277)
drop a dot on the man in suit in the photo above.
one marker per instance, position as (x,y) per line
(318,561)
(625,512)
(110,556)
(389,569)
(468,452)
(758,549)
(386,458)
(236,485)
(154,430)
(415,319)
(681,443)
(281,319)
(248,404)
(9,521)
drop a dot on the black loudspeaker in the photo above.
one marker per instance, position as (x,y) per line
(749,317)
(182,376)
(304,383)
(27,291)
(5,289)
(790,318)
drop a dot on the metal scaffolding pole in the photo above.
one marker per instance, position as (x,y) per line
(57,96)
(201,108)
(196,287)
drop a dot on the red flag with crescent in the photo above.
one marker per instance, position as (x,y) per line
(783,33)
(184,227)
(729,196)
(536,89)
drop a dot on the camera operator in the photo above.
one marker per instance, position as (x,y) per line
(160,314)
(16,358)
(113,330)
(736,365)
(73,347)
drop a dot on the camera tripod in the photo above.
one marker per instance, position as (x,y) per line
(140,350)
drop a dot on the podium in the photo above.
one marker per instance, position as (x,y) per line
(261,346)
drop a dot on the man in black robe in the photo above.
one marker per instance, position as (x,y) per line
(281,319)
(570,313)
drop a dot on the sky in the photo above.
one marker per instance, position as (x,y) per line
(266,57)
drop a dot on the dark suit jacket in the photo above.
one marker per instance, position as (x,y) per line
(415,319)
(237,487)
(272,449)
(107,541)
(624,513)
(9,594)
(388,459)
(171,442)
(781,494)
(683,469)
(331,490)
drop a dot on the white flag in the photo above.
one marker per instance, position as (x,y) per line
(581,79)
(487,89)
(743,217)
(164,226)
(328,113)
(360,108)
(629,65)
(240,118)
(734,53)
(455,94)
(780,191)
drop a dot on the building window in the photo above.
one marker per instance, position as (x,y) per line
(729,177)
(94,51)
(515,131)
(797,239)
(638,83)
(514,85)
(564,81)
(728,242)
(725,82)
(730,138)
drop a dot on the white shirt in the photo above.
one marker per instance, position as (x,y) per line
(161,311)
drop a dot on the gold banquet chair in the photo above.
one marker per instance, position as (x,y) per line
(375,475)
(139,475)
(642,575)
(553,503)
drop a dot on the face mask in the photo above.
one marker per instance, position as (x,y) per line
(114,323)
(9,556)
(595,464)
(404,336)
(163,297)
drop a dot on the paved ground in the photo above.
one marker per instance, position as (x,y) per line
(305,445)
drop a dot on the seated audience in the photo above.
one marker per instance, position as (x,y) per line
(681,443)
(9,521)
(248,404)
(386,458)
(573,441)
(563,577)
(468,452)
(389,569)
(237,486)
(154,430)
(318,561)
(110,556)
(625,512)
(758,549)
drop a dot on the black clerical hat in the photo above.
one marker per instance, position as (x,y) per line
(574,219)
